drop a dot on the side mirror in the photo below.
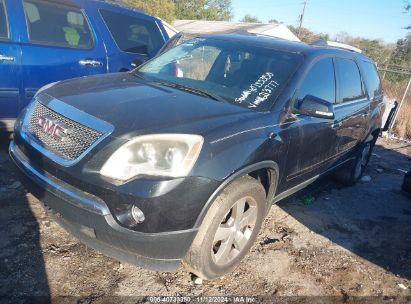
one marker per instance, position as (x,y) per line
(316,107)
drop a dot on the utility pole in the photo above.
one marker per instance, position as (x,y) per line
(301,18)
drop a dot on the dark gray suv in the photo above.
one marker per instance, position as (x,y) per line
(180,159)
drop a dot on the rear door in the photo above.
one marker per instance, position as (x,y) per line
(131,37)
(374,89)
(60,44)
(10,72)
(352,107)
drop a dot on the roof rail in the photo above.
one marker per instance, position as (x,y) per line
(336,45)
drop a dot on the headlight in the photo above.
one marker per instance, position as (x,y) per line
(156,155)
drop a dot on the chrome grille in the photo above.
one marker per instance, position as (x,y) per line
(77,141)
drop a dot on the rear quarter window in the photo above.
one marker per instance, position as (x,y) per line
(349,80)
(133,34)
(4,30)
(371,78)
(58,25)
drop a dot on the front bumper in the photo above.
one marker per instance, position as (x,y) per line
(89,219)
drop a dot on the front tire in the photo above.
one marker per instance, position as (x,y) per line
(229,229)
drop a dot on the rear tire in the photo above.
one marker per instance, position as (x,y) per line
(229,229)
(351,173)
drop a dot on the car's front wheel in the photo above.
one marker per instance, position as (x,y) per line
(229,229)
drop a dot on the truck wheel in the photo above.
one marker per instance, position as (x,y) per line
(228,230)
(352,172)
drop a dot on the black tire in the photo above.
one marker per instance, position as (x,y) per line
(352,172)
(202,256)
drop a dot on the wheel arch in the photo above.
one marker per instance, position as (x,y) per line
(258,170)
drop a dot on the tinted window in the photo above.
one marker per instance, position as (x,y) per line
(319,82)
(133,35)
(4,33)
(350,85)
(244,75)
(371,78)
(58,25)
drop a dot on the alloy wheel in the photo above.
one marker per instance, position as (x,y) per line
(234,231)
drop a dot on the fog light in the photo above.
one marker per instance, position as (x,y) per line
(137,214)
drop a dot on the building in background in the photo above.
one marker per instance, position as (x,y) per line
(204,27)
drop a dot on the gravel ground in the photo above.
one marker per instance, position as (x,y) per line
(349,243)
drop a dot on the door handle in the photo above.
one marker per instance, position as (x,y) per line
(90,62)
(6,58)
(365,114)
(336,124)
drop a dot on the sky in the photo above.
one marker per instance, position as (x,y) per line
(373,19)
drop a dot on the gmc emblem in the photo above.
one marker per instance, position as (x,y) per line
(54,129)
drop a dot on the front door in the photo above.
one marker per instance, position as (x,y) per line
(313,143)
(60,45)
(10,72)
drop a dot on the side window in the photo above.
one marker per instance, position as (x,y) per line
(133,35)
(4,30)
(59,25)
(371,78)
(319,82)
(349,80)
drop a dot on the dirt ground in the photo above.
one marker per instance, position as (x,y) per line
(349,242)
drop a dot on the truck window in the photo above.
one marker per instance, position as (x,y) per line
(132,34)
(319,82)
(55,24)
(4,31)
(349,80)
(371,78)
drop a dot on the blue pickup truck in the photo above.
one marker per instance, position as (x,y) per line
(46,41)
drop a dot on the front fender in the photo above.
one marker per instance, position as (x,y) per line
(237,156)
(223,158)
(238,174)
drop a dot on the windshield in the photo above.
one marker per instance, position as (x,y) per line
(245,75)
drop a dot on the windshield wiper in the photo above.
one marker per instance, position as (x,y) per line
(191,90)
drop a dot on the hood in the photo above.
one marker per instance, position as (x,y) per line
(132,104)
